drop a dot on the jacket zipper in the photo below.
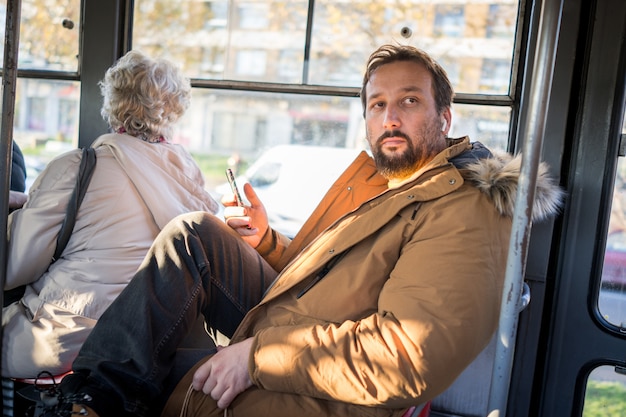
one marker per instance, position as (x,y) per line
(329,265)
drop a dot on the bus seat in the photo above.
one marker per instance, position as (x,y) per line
(468,396)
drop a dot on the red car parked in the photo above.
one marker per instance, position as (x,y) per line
(614,269)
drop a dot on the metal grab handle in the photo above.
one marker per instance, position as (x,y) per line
(524,299)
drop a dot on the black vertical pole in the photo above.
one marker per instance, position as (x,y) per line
(9,78)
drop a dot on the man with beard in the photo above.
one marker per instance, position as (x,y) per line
(390,289)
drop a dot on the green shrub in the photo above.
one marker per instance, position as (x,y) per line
(605,399)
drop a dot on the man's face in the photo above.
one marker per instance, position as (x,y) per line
(403,127)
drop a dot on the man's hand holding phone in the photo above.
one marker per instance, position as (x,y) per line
(249,221)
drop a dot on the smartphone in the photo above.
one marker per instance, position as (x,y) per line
(233,186)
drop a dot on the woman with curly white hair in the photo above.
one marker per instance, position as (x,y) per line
(141,181)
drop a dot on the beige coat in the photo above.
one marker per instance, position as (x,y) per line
(136,188)
(411,294)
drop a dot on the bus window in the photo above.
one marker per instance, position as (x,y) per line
(605,395)
(222,123)
(224,39)
(46,109)
(46,121)
(486,124)
(49,35)
(612,297)
(269,40)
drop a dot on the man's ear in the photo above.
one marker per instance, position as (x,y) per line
(446,119)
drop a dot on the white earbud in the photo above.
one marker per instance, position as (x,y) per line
(444,124)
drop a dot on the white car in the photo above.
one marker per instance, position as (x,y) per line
(290,180)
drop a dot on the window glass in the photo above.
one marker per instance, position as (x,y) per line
(224,122)
(251,64)
(345,33)
(214,39)
(494,76)
(453,69)
(225,39)
(449,20)
(289,68)
(253,15)
(501,20)
(49,34)
(46,121)
(605,395)
(486,124)
(612,298)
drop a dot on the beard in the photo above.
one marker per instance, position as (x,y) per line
(418,152)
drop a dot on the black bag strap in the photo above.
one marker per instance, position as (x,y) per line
(87,165)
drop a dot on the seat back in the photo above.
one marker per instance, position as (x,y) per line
(468,396)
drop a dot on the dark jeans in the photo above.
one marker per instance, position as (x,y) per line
(197,265)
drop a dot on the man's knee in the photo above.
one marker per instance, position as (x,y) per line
(194,221)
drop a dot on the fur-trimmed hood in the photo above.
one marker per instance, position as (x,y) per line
(497,174)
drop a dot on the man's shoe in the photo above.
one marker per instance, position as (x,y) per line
(83,410)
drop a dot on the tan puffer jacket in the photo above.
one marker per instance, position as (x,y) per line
(408,297)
